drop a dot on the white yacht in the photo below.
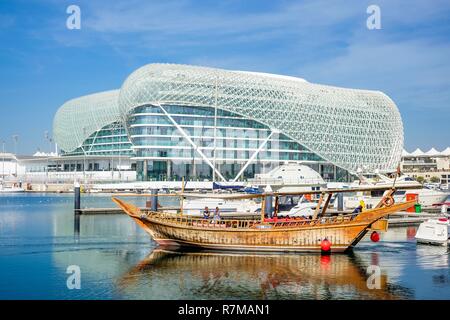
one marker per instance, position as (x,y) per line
(4,189)
(196,206)
(427,197)
(434,231)
(304,208)
(288,177)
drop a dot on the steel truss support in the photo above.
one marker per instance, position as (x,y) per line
(186,136)
(261,146)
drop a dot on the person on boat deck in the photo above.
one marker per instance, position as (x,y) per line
(217,214)
(360,208)
(363,205)
(206,213)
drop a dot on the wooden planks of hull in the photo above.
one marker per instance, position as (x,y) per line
(299,239)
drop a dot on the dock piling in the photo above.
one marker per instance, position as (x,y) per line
(154,200)
(340,201)
(76,209)
(77,194)
(268,206)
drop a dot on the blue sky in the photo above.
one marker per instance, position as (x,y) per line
(43,64)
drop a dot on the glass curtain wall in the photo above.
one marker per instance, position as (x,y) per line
(226,139)
(109,140)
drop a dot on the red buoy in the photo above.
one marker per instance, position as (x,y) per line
(375,237)
(325,245)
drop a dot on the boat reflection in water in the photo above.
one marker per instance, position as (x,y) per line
(218,275)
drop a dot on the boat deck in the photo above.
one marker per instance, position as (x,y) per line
(229,223)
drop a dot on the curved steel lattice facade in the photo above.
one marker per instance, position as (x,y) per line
(77,119)
(348,127)
(240,147)
(111,139)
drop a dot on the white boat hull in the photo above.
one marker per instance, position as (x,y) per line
(11,190)
(427,198)
(433,232)
(197,206)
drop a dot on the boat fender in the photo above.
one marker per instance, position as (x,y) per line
(325,246)
(375,236)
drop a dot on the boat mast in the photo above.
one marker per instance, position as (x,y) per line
(263,207)
(316,211)
(182,197)
(325,206)
(277,203)
(215,132)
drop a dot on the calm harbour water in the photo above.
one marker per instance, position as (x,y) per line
(119,261)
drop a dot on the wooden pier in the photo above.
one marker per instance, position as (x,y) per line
(93,211)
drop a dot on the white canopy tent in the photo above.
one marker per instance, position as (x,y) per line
(417,153)
(432,152)
(405,153)
(446,152)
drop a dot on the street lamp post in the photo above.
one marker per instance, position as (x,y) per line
(116,133)
(3,160)
(15,139)
(215,130)
(84,158)
(112,152)
(50,140)
(120,152)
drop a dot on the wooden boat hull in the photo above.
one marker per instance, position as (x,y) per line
(286,240)
(306,236)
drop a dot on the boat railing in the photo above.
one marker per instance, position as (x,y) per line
(186,220)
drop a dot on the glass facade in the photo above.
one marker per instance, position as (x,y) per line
(351,128)
(228,140)
(112,139)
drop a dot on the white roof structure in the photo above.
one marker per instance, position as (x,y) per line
(78,118)
(405,153)
(44,154)
(417,153)
(432,152)
(446,152)
(348,127)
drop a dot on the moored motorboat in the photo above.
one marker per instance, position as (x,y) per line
(11,189)
(196,206)
(426,196)
(434,231)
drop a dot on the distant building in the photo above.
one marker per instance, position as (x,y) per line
(174,121)
(427,165)
(8,165)
(51,168)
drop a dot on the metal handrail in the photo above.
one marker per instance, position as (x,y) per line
(243,224)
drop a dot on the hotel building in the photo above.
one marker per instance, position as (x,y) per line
(171,121)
